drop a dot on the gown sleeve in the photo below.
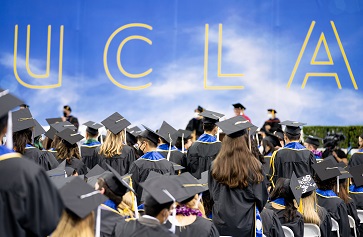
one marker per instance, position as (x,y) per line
(260,193)
(325,222)
(343,222)
(214,232)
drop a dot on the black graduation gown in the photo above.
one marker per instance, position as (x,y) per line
(338,211)
(287,160)
(201,227)
(141,168)
(30,205)
(357,198)
(274,123)
(356,159)
(197,125)
(175,156)
(109,218)
(352,211)
(325,222)
(121,163)
(271,224)
(200,155)
(142,227)
(76,164)
(296,225)
(42,158)
(234,209)
(53,152)
(87,155)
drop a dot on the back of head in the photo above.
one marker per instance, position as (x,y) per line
(72,226)
(310,210)
(153,208)
(21,139)
(3,123)
(113,144)
(235,166)
(208,127)
(67,151)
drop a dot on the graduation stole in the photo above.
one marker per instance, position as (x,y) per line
(279,201)
(207,138)
(152,155)
(355,189)
(326,193)
(294,145)
(258,223)
(165,147)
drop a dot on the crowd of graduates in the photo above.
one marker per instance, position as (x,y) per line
(217,177)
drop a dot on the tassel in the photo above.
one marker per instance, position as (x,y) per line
(125,137)
(168,156)
(249,139)
(217,134)
(9,133)
(337,184)
(183,143)
(301,208)
(101,139)
(172,229)
(98,222)
(198,201)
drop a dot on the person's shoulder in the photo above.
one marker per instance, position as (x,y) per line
(19,165)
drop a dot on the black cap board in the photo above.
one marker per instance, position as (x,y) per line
(132,133)
(149,134)
(200,109)
(188,186)
(38,129)
(335,162)
(116,182)
(69,171)
(204,179)
(313,140)
(307,183)
(238,106)
(53,120)
(295,187)
(272,111)
(81,199)
(70,136)
(279,133)
(96,170)
(59,127)
(60,181)
(50,133)
(210,116)
(357,173)
(159,189)
(235,127)
(115,123)
(326,169)
(166,131)
(22,119)
(292,127)
(92,127)
(57,172)
(8,102)
(177,167)
(344,174)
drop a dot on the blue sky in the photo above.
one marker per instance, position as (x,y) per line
(261,39)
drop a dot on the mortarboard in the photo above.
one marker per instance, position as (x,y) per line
(59,171)
(200,108)
(50,133)
(357,173)
(70,136)
(182,134)
(8,102)
(272,111)
(166,131)
(158,190)
(115,123)
(59,127)
(177,167)
(326,169)
(132,133)
(204,179)
(81,199)
(96,170)
(235,127)
(238,106)
(53,120)
(60,181)
(279,133)
(22,119)
(92,127)
(292,127)
(116,182)
(210,116)
(150,134)
(313,140)
(335,162)
(69,171)
(38,129)
(307,184)
(344,174)
(188,186)
(295,187)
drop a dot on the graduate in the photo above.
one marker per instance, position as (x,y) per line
(356,190)
(91,143)
(239,110)
(312,143)
(183,140)
(57,126)
(23,124)
(205,149)
(131,137)
(165,144)
(189,220)
(236,183)
(68,150)
(357,158)
(269,144)
(293,157)
(37,133)
(271,224)
(152,160)
(31,205)
(326,179)
(272,124)
(68,117)
(78,220)
(282,203)
(114,150)
(158,205)
(195,125)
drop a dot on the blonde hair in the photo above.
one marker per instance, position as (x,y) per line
(310,209)
(72,226)
(192,204)
(113,144)
(125,207)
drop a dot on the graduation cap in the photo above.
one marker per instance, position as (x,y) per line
(307,184)
(38,129)
(292,127)
(210,116)
(273,111)
(8,102)
(115,123)
(166,131)
(59,127)
(344,174)
(273,139)
(204,179)
(279,133)
(132,133)
(150,134)
(335,162)
(69,171)
(116,182)
(58,172)
(96,170)
(326,169)
(53,120)
(177,167)
(81,199)
(60,181)
(92,127)
(70,136)
(295,187)
(200,108)
(235,127)
(183,134)
(22,119)
(160,190)
(313,140)
(188,186)
(357,173)
(238,106)
(50,133)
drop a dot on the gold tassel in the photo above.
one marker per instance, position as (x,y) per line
(301,209)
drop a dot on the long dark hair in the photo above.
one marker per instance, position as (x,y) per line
(255,151)
(235,166)
(21,138)
(343,193)
(282,190)
(265,144)
(67,151)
